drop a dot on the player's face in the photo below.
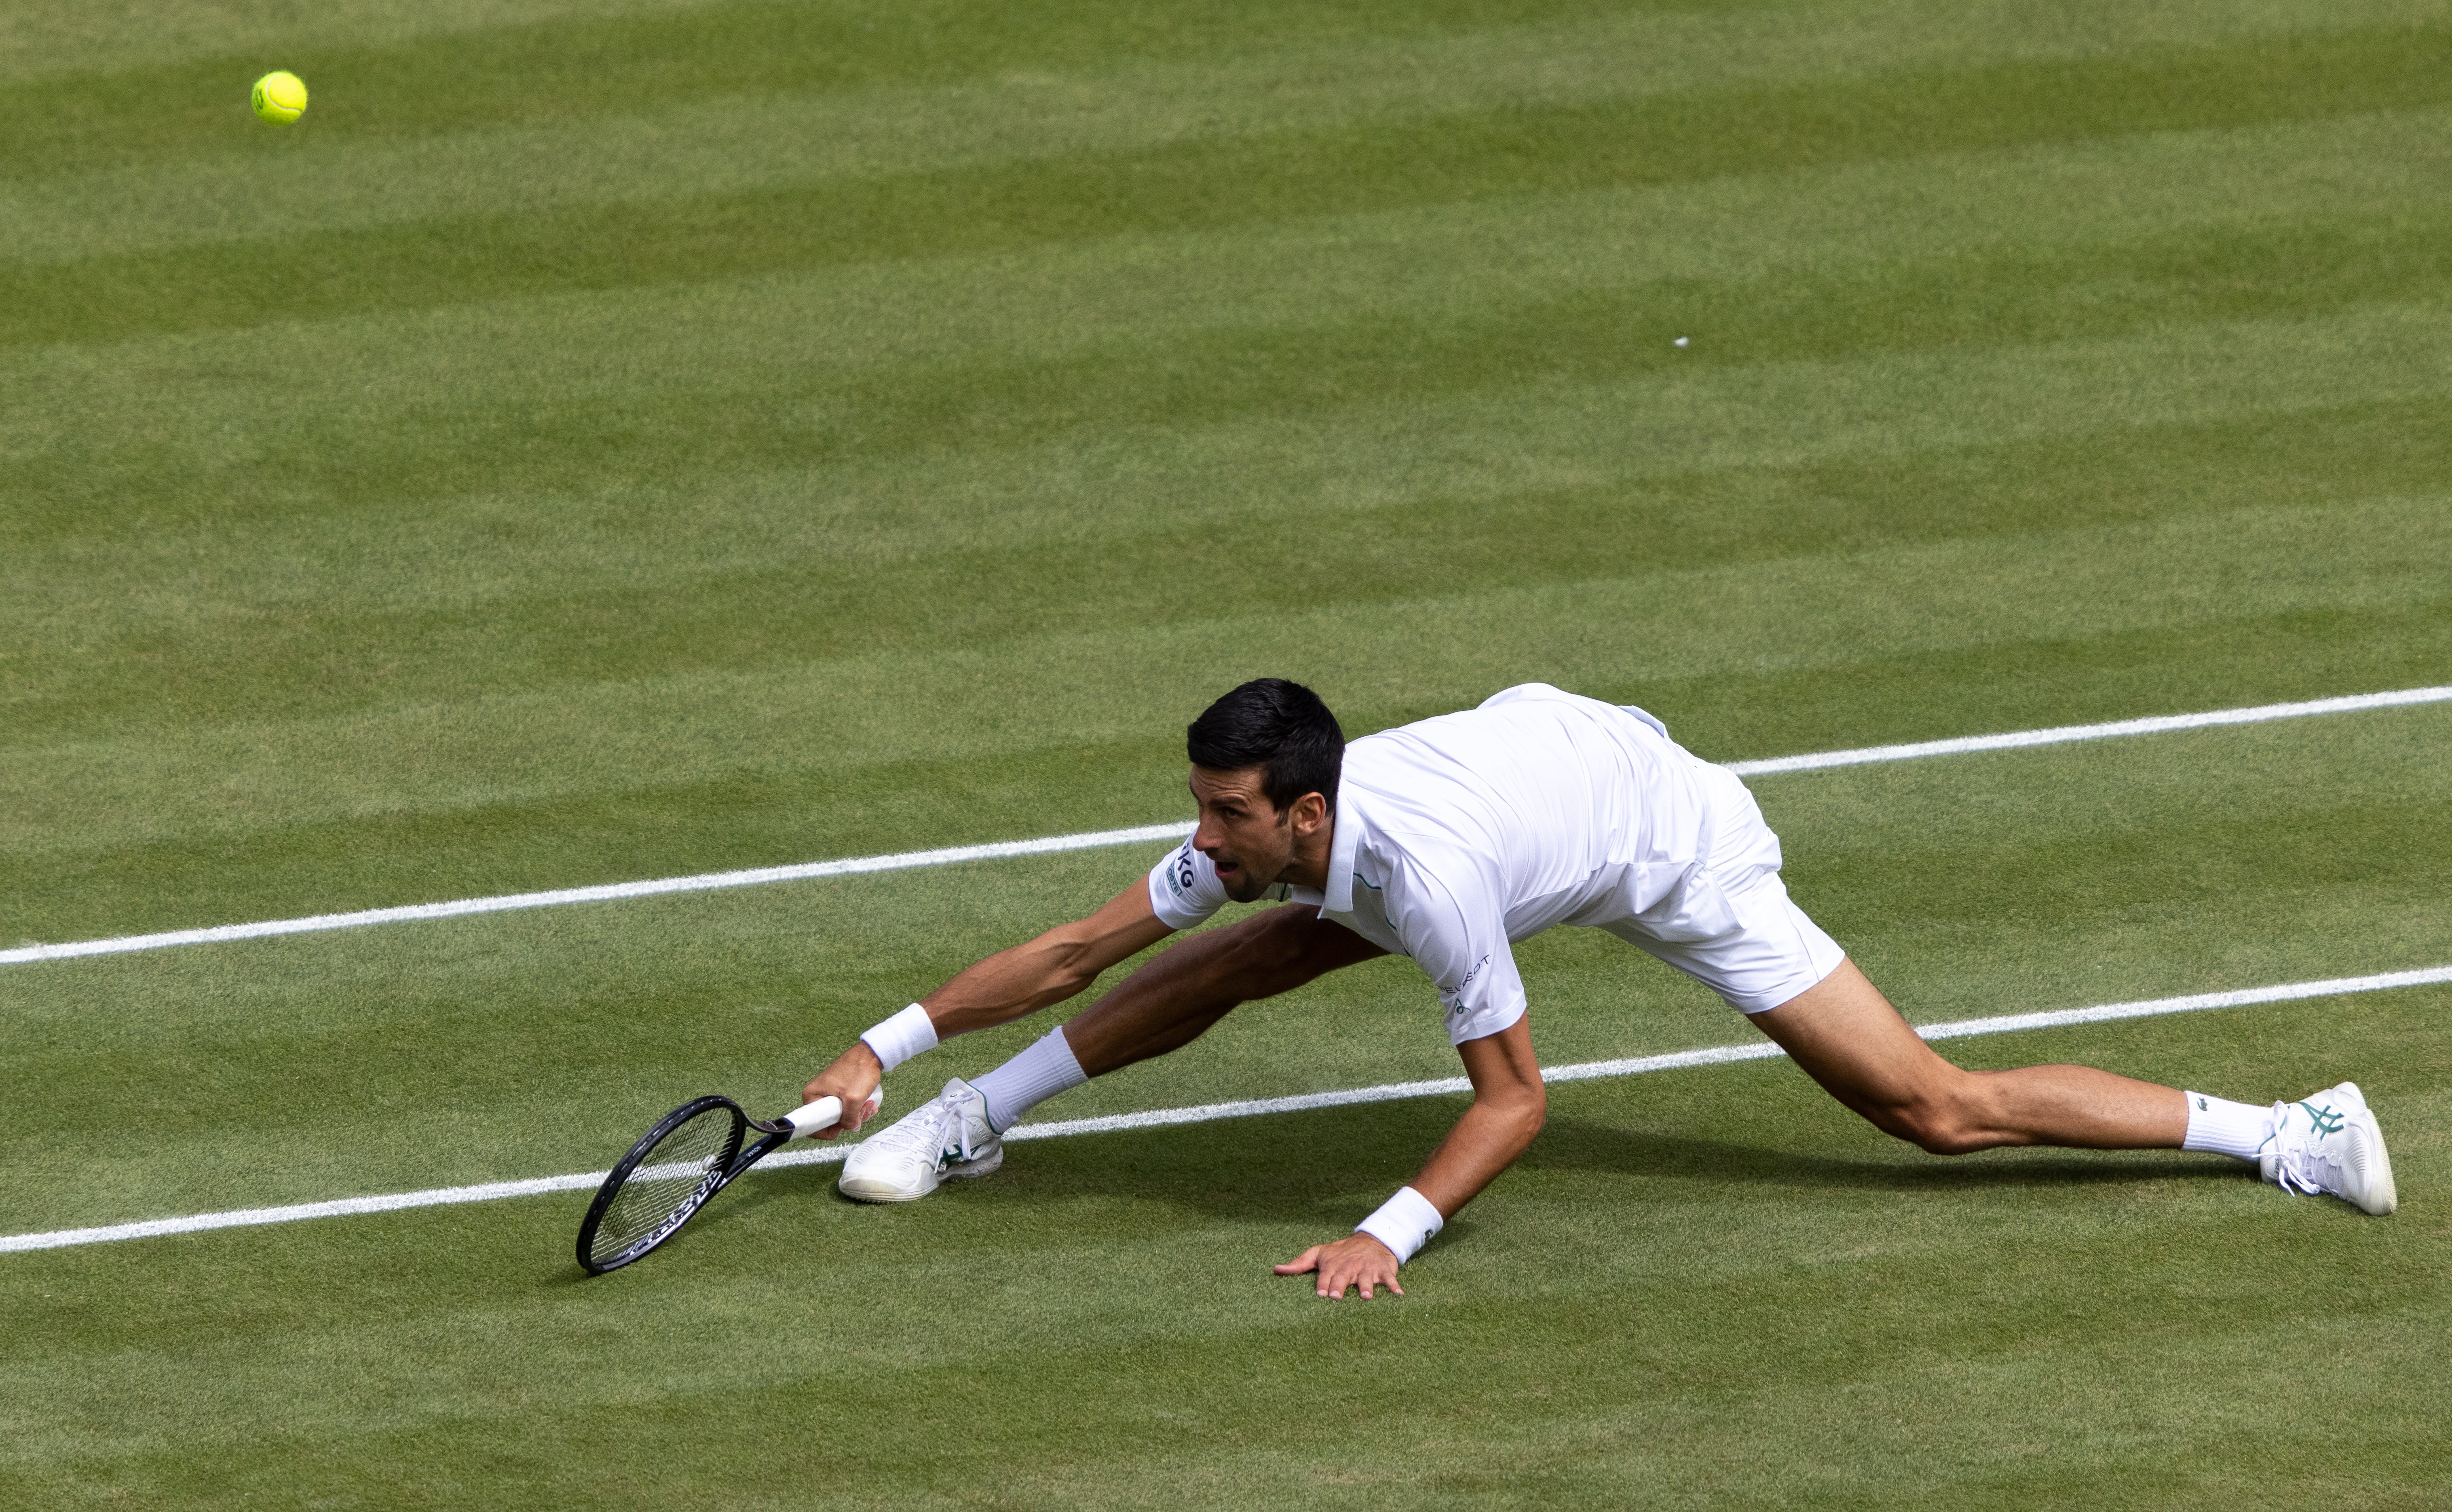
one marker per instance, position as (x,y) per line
(1249,840)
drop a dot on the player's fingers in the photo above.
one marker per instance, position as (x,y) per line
(1308,1260)
(859,1108)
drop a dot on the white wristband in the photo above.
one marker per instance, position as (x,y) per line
(1404,1223)
(902,1036)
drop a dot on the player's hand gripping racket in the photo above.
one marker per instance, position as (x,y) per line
(692,1153)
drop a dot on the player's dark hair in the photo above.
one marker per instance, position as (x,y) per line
(1278,726)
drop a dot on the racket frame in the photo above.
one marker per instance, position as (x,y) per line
(773,1133)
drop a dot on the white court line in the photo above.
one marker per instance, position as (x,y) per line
(1212,1112)
(612,892)
(607,892)
(2160,724)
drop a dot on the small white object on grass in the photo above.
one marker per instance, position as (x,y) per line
(1681,341)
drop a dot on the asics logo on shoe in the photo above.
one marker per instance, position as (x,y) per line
(2324,1119)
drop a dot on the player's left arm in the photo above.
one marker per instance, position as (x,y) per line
(1008,985)
(1040,972)
(1509,1104)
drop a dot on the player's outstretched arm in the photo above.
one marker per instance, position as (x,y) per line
(1006,986)
(1509,1106)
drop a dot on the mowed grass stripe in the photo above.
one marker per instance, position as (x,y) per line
(823,815)
(726,606)
(39,42)
(2111,211)
(1216,1112)
(809,871)
(229,183)
(625,59)
(713,821)
(182,640)
(1531,149)
(859,710)
(852,92)
(582,419)
(842,535)
(797,762)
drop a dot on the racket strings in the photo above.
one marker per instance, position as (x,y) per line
(667,1183)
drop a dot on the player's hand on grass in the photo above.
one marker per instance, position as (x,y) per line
(1356,1259)
(854,1077)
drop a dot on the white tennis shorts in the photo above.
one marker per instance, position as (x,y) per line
(1735,930)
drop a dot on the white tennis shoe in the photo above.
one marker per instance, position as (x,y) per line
(2328,1141)
(948,1137)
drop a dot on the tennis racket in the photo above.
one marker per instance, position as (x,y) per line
(693,1152)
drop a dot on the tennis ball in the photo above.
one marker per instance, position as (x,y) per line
(280,97)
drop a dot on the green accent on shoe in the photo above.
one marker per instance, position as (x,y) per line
(2325,1120)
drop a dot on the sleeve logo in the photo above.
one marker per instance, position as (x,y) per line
(1454,1001)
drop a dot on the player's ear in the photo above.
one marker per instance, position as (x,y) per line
(1309,813)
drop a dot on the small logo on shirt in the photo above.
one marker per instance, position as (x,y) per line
(1453,1002)
(1179,875)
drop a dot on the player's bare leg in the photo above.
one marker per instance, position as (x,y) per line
(1847,1036)
(1176,996)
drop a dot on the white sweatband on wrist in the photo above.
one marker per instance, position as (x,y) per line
(1404,1223)
(902,1036)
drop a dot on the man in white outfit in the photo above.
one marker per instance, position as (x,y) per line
(1447,841)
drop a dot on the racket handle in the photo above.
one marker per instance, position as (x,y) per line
(824,1113)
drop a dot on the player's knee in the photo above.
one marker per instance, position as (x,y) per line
(1536,1114)
(1939,1125)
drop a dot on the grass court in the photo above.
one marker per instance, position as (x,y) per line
(617,439)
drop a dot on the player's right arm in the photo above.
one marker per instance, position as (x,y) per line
(1006,986)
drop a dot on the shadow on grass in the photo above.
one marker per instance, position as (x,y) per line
(729,1206)
(1584,1145)
(1317,1167)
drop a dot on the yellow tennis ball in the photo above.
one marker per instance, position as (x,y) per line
(281,97)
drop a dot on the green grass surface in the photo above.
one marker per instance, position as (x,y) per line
(609,439)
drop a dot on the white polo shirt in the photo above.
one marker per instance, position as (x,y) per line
(1460,834)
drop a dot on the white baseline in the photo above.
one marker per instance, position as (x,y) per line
(1142,835)
(1211,1113)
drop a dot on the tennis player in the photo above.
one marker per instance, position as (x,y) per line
(1447,841)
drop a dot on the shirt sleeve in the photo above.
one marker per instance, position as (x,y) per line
(1450,919)
(1184,889)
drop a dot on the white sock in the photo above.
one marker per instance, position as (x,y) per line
(1029,1079)
(2233,1129)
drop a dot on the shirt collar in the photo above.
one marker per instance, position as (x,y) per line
(1342,842)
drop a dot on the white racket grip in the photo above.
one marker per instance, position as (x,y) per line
(827,1113)
(824,1113)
